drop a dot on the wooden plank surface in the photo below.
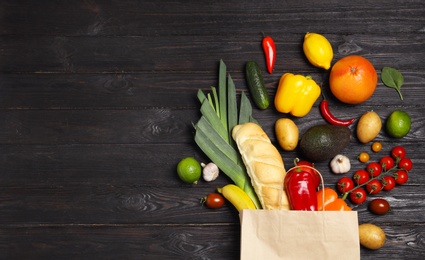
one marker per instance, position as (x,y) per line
(97,101)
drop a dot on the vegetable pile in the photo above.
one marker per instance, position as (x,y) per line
(299,187)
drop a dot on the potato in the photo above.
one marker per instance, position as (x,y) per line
(368,127)
(287,133)
(371,236)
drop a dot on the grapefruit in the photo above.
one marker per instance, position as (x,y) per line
(353,79)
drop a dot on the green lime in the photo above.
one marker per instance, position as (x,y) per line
(398,124)
(189,170)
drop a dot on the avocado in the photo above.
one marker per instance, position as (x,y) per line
(323,142)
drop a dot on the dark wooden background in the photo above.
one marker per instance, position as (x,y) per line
(97,99)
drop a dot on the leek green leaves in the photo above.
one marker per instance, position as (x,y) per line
(214,128)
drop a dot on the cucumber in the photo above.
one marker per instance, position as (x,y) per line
(256,85)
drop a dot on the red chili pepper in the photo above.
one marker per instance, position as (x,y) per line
(301,190)
(270,52)
(326,113)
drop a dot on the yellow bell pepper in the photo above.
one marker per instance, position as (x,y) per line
(296,94)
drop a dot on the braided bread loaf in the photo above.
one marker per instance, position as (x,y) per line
(264,165)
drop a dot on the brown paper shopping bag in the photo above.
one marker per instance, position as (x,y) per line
(289,234)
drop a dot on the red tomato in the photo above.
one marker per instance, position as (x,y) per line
(309,169)
(387,162)
(398,152)
(358,196)
(361,176)
(213,200)
(388,183)
(405,164)
(374,187)
(401,177)
(379,206)
(374,169)
(345,184)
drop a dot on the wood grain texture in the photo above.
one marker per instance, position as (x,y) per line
(103,54)
(98,98)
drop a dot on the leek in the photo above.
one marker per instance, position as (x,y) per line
(214,128)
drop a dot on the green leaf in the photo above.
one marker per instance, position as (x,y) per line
(209,113)
(222,93)
(201,96)
(219,142)
(245,110)
(217,105)
(232,106)
(392,78)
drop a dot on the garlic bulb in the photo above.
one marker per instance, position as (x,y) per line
(340,164)
(210,171)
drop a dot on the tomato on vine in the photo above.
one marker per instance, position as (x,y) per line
(401,177)
(374,187)
(398,152)
(388,183)
(405,164)
(361,177)
(358,196)
(374,169)
(345,184)
(386,162)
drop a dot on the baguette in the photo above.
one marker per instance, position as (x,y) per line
(264,165)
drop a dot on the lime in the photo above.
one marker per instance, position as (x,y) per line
(398,124)
(189,170)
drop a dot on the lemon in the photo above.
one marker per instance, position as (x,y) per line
(189,170)
(318,50)
(398,124)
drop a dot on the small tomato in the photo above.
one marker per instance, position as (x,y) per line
(361,176)
(213,200)
(358,196)
(379,206)
(398,152)
(405,164)
(401,177)
(374,187)
(374,169)
(388,183)
(376,147)
(387,162)
(345,184)
(363,157)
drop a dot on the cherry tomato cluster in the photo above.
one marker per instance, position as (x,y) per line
(384,174)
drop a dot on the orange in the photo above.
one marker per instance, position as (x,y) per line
(353,79)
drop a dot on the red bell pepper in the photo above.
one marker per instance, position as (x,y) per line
(300,187)
(307,167)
